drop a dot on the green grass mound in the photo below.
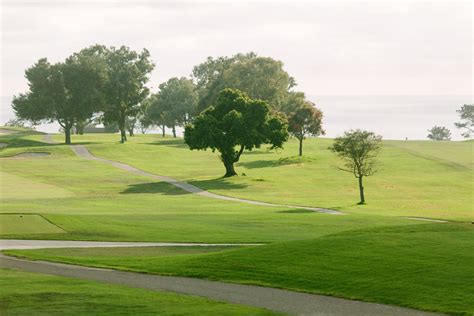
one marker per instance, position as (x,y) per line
(18,224)
(24,293)
(428,266)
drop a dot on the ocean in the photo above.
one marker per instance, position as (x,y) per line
(392,116)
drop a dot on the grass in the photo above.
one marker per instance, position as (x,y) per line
(429,267)
(122,206)
(372,254)
(27,224)
(24,293)
(415,178)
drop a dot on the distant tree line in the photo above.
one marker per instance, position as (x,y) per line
(107,85)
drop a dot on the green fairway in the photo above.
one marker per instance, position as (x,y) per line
(373,253)
(420,178)
(105,203)
(427,266)
(24,293)
(27,224)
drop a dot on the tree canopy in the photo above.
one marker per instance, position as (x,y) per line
(358,149)
(128,73)
(439,133)
(305,120)
(466,113)
(175,104)
(259,77)
(66,92)
(235,120)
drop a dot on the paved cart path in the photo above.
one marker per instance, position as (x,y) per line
(43,244)
(294,303)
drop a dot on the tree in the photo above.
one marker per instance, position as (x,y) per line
(157,113)
(305,120)
(66,92)
(359,150)
(16,122)
(128,73)
(439,133)
(259,77)
(177,101)
(235,120)
(466,112)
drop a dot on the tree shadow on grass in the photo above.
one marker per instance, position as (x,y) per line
(218,184)
(177,143)
(275,163)
(155,188)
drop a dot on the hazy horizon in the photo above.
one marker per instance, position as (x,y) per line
(400,49)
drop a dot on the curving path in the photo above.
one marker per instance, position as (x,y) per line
(6,244)
(274,299)
(83,152)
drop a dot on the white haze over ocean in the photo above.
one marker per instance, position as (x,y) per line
(393,67)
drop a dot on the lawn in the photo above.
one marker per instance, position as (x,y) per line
(24,293)
(429,266)
(415,178)
(373,253)
(91,200)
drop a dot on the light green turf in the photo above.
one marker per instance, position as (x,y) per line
(110,204)
(23,188)
(24,293)
(428,266)
(371,254)
(27,224)
(419,178)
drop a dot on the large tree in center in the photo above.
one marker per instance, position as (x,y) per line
(128,73)
(68,92)
(235,123)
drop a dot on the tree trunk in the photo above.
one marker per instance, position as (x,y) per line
(229,169)
(67,132)
(173,129)
(301,147)
(361,191)
(163,130)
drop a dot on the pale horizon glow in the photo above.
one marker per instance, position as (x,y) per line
(335,48)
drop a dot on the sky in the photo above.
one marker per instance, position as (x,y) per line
(332,48)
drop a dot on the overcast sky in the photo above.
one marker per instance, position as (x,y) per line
(330,47)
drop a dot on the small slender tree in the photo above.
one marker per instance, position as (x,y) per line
(466,112)
(359,150)
(305,120)
(235,120)
(439,133)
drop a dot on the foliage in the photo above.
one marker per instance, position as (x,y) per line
(16,122)
(359,150)
(125,90)
(439,133)
(305,119)
(66,92)
(235,120)
(466,113)
(259,77)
